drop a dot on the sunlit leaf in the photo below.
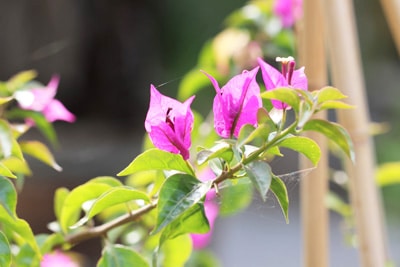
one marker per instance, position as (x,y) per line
(260,133)
(16,165)
(278,187)
(334,105)
(4,171)
(333,132)
(120,256)
(72,203)
(220,150)
(112,197)
(286,95)
(303,145)
(328,94)
(59,197)
(178,194)
(260,175)
(6,139)
(388,173)
(39,151)
(5,251)
(176,251)
(156,159)
(21,78)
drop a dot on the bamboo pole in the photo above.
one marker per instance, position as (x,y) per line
(391,9)
(347,76)
(313,188)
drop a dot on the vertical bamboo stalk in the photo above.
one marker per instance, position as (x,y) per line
(314,187)
(347,76)
(391,9)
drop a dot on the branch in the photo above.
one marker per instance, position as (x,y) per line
(104,228)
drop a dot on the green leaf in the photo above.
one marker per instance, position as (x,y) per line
(220,150)
(45,127)
(178,194)
(177,251)
(20,229)
(4,171)
(8,196)
(111,197)
(120,256)
(261,132)
(4,100)
(388,173)
(5,251)
(16,165)
(286,95)
(303,145)
(235,196)
(260,175)
(328,94)
(334,105)
(278,187)
(20,79)
(334,132)
(6,140)
(156,159)
(26,257)
(39,151)
(47,242)
(72,204)
(193,220)
(59,197)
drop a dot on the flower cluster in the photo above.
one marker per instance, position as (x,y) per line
(169,122)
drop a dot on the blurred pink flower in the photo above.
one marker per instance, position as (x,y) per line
(236,103)
(211,210)
(287,78)
(169,123)
(289,11)
(57,259)
(42,100)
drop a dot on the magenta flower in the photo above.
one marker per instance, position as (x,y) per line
(289,11)
(57,258)
(287,78)
(42,100)
(169,123)
(236,103)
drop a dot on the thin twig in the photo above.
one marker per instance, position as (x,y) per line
(104,228)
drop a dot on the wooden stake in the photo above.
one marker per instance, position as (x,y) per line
(314,187)
(347,76)
(391,9)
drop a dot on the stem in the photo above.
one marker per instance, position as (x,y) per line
(104,228)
